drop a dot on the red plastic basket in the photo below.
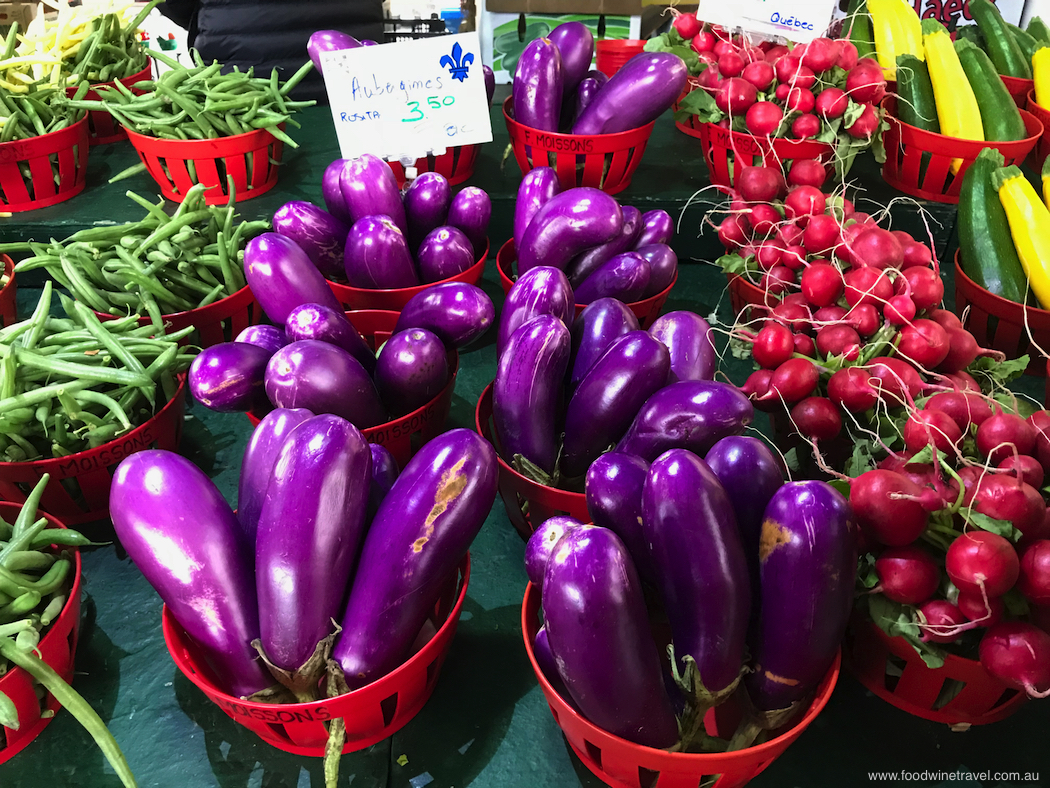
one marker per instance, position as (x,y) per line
(57,648)
(527,503)
(372,713)
(909,149)
(68,147)
(8,293)
(79,488)
(998,323)
(726,151)
(252,159)
(102,126)
(647,310)
(220,321)
(1018,88)
(1042,148)
(456,164)
(743,294)
(623,764)
(603,161)
(394,300)
(404,436)
(691,126)
(893,670)
(613,53)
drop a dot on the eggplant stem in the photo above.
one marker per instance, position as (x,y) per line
(333,748)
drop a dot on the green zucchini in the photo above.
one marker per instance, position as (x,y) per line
(1038,30)
(999,114)
(858,23)
(1026,41)
(1003,49)
(986,248)
(915,103)
(971,32)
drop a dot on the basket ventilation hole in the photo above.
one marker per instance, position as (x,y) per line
(388,706)
(279,731)
(894,668)
(594,752)
(647,777)
(949,690)
(1007,696)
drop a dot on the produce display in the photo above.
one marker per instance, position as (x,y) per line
(1010,48)
(33,113)
(895,31)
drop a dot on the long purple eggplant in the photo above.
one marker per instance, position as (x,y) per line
(625,277)
(370,189)
(490,82)
(324,379)
(328,41)
(310,531)
(586,92)
(614,500)
(701,571)
(575,44)
(541,291)
(317,233)
(657,228)
(444,253)
(637,94)
(377,255)
(541,544)
(411,370)
(527,390)
(312,321)
(690,414)
(537,188)
(600,324)
(384,474)
(566,225)
(538,86)
(545,658)
(688,338)
(257,465)
(420,534)
(332,191)
(426,205)
(663,265)
(184,538)
(605,403)
(590,261)
(598,629)
(471,211)
(457,312)
(229,376)
(282,277)
(269,337)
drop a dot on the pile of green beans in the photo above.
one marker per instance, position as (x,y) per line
(203,103)
(73,383)
(112,50)
(38,112)
(35,581)
(156,266)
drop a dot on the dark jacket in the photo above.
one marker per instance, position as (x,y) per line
(269,33)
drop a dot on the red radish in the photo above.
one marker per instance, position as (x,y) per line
(820,54)
(781,92)
(924,427)
(794,316)
(1019,655)
(687,26)
(1006,497)
(980,559)
(777,280)
(1034,581)
(917,255)
(768,255)
(794,257)
(805,126)
(773,54)
(896,381)
(847,55)
(723,46)
(877,248)
(1040,421)
(707,57)
(887,507)
(864,318)
(794,380)
(817,419)
(948,320)
(764,219)
(803,78)
(735,96)
(756,387)
(831,103)
(733,232)
(760,74)
(730,64)
(962,381)
(962,350)
(709,80)
(704,41)
(763,118)
(839,341)
(902,237)
(851,389)
(975,608)
(848,211)
(865,126)
(773,345)
(807,172)
(822,284)
(936,493)
(1027,469)
(964,409)
(760,184)
(822,234)
(907,574)
(926,287)
(804,201)
(789,234)
(796,298)
(1002,434)
(940,621)
(865,83)
(804,345)
(828,315)
(923,342)
(801,100)
(786,67)
(899,310)
(868,286)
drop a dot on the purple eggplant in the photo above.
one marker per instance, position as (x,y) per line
(229,377)
(490,82)
(310,531)
(605,403)
(586,92)
(575,44)
(599,76)
(688,338)
(444,253)
(637,94)
(585,264)
(471,211)
(426,205)
(690,414)
(538,86)
(457,312)
(269,337)
(527,389)
(624,277)
(368,42)
(328,41)
(542,291)
(282,277)
(568,224)
(657,228)
(701,572)
(411,370)
(384,474)
(541,544)
(541,649)
(417,539)
(537,188)
(370,189)
(324,379)
(600,324)
(663,265)
(184,538)
(598,629)
(312,321)
(257,465)
(332,191)
(317,233)
(377,255)
(614,500)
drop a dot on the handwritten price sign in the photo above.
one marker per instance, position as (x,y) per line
(408,99)
(795,20)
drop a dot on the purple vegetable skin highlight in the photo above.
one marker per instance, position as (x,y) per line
(384,474)
(537,188)
(269,337)
(541,649)
(657,228)
(583,265)
(312,321)
(538,86)
(614,500)
(541,544)
(600,324)
(369,188)
(490,82)
(457,312)
(377,255)
(328,41)
(184,538)
(282,277)
(333,192)
(624,277)
(637,94)
(317,233)
(575,44)
(566,225)
(426,205)
(411,370)
(471,211)
(444,253)
(542,291)
(599,76)
(688,338)
(663,265)
(586,92)
(229,377)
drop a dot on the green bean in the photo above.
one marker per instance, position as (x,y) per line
(296,78)
(53,609)
(29,559)
(22,605)
(31,359)
(59,536)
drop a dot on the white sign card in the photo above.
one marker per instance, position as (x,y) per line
(795,20)
(406,99)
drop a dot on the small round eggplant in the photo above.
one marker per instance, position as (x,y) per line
(624,277)
(585,93)
(688,338)
(445,252)
(324,379)
(459,313)
(575,44)
(328,41)
(583,265)
(312,321)
(568,224)
(657,228)
(537,188)
(541,544)
(411,370)
(269,337)
(471,211)
(370,189)
(541,291)
(384,474)
(538,86)
(663,265)
(333,192)
(317,233)
(426,205)
(614,500)
(377,256)
(600,324)
(282,277)
(229,377)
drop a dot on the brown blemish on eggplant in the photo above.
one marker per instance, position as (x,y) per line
(417,545)
(773,535)
(780,679)
(453,483)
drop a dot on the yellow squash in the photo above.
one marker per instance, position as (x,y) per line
(1041,74)
(897,31)
(1029,220)
(957,109)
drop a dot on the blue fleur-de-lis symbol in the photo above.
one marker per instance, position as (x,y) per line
(459,63)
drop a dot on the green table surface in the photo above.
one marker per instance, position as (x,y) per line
(487,724)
